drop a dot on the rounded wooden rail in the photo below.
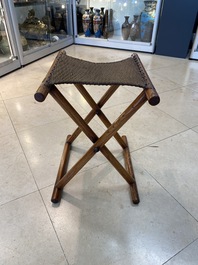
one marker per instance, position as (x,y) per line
(42,92)
(152,96)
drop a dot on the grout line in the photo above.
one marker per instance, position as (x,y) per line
(53,227)
(171,195)
(180,251)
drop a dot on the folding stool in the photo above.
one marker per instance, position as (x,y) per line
(70,70)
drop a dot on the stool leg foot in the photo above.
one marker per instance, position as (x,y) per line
(129,168)
(56,195)
(57,192)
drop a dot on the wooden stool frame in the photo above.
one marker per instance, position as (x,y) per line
(64,175)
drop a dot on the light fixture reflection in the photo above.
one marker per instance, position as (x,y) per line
(18,107)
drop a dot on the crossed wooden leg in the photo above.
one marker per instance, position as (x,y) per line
(64,175)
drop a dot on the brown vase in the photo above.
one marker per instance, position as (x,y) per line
(58,19)
(126,27)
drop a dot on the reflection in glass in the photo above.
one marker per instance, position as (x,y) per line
(140,14)
(41,22)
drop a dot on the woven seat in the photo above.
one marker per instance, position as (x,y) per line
(69,70)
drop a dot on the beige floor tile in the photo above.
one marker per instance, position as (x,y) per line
(43,146)
(5,122)
(95,222)
(162,84)
(188,256)
(16,179)
(27,234)
(22,82)
(121,95)
(147,126)
(195,129)
(182,73)
(97,218)
(181,104)
(173,163)
(26,112)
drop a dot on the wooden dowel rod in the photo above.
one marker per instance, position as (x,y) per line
(123,118)
(97,110)
(129,167)
(56,195)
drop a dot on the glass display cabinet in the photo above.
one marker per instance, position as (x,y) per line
(194,51)
(121,24)
(42,26)
(8,51)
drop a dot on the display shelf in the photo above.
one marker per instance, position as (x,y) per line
(129,25)
(41,22)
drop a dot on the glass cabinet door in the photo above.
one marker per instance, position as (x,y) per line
(42,26)
(125,24)
(194,51)
(8,52)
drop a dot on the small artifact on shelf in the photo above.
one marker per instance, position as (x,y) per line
(33,28)
(4,45)
(46,19)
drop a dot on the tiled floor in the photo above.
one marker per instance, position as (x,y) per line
(95,223)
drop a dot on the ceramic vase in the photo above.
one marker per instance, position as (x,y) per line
(65,21)
(97,24)
(135,28)
(110,24)
(102,16)
(126,26)
(91,15)
(86,23)
(105,28)
(57,19)
(147,18)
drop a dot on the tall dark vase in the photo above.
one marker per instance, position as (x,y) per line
(110,23)
(126,26)
(108,29)
(79,19)
(147,18)
(105,28)
(58,19)
(102,16)
(65,21)
(91,15)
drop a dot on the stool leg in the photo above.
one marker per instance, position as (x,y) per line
(129,168)
(121,120)
(57,192)
(98,111)
(92,113)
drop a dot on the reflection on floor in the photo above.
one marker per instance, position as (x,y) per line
(95,222)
